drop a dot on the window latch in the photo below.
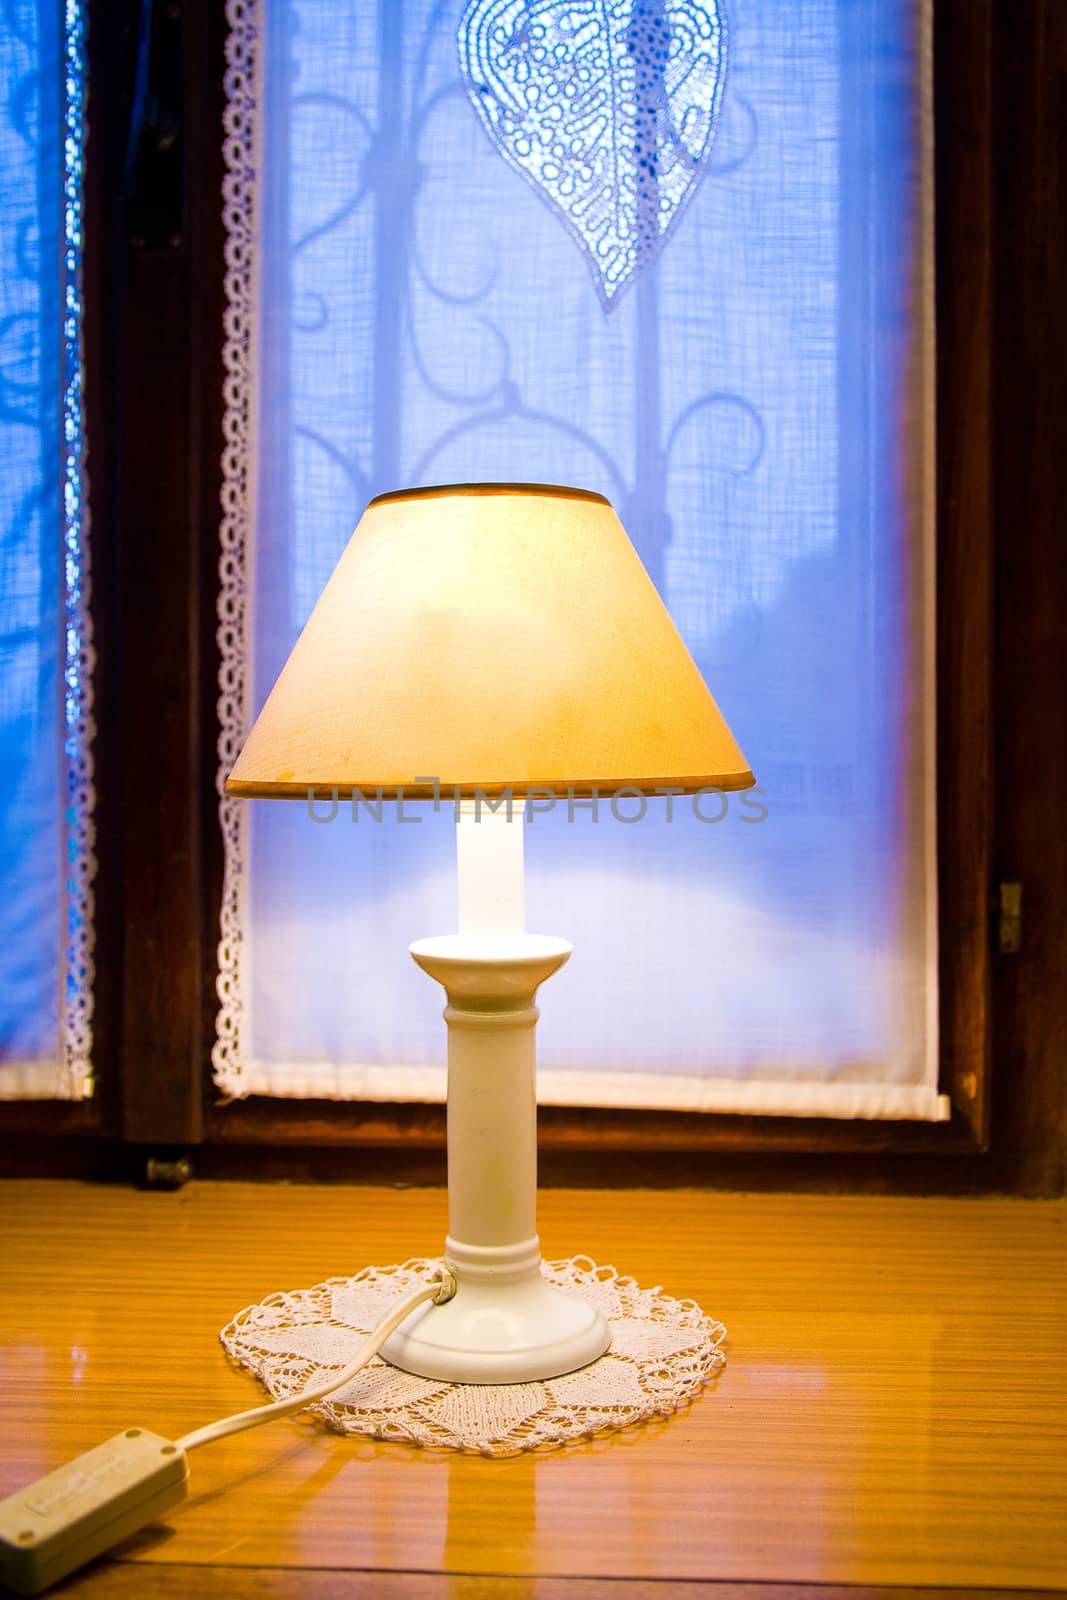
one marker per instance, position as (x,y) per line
(1009,904)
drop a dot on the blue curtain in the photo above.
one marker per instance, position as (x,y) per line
(45,970)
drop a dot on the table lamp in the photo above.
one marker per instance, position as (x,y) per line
(498,646)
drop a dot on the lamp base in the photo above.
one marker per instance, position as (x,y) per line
(504,1324)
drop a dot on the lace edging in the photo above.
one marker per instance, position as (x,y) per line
(75,1072)
(240,219)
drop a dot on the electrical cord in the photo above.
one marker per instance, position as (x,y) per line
(92,1503)
(441,1287)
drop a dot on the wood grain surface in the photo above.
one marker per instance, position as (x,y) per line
(893,1410)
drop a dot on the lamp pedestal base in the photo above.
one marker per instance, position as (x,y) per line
(504,1324)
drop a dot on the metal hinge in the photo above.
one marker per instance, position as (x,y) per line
(167,1171)
(1009,907)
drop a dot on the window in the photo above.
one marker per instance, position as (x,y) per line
(450,278)
(154,324)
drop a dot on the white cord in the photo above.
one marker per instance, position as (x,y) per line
(441,1287)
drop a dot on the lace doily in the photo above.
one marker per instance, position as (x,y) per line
(662,1353)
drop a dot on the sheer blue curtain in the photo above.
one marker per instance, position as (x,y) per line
(754,402)
(45,845)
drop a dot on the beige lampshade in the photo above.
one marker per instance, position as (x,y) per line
(489,636)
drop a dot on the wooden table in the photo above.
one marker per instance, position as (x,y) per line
(893,1410)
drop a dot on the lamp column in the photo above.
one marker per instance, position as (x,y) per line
(505,1324)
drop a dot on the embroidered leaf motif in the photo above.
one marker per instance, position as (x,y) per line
(607,107)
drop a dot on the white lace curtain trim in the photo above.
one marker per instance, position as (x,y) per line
(240,202)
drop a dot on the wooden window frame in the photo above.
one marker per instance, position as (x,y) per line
(153,328)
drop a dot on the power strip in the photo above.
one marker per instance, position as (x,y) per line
(101,1497)
(86,1506)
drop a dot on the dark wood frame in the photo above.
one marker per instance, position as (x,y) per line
(155,484)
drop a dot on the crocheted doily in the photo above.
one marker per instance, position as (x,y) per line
(662,1353)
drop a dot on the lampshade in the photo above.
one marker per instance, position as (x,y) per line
(489,636)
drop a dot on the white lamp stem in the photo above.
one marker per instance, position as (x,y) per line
(505,1324)
(492,1089)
